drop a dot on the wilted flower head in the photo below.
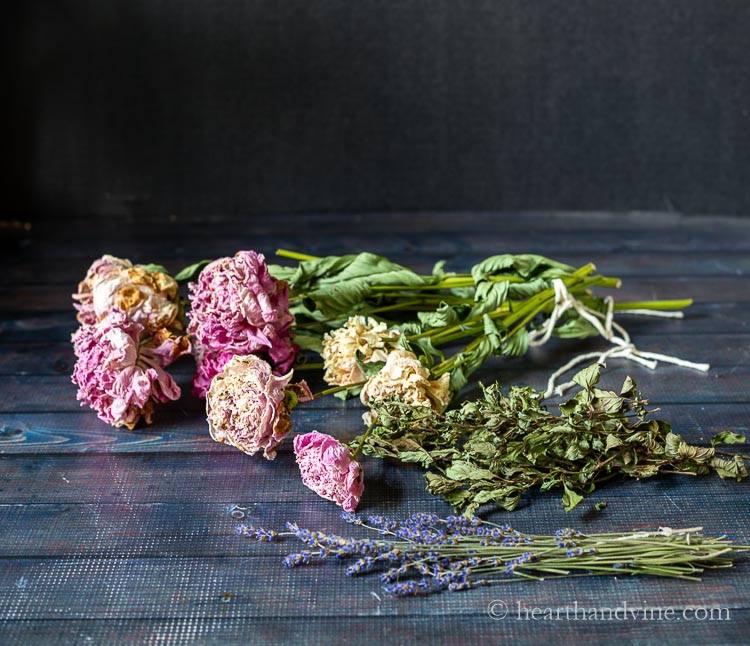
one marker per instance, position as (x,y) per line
(328,469)
(239,308)
(147,297)
(403,376)
(207,366)
(371,338)
(100,269)
(120,371)
(249,407)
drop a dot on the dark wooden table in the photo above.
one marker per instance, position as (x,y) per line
(113,536)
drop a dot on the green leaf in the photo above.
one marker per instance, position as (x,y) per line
(281,272)
(601,505)
(732,468)
(368,368)
(588,377)
(519,291)
(457,498)
(308,342)
(444,315)
(191,272)
(575,327)
(607,401)
(570,498)
(517,344)
(457,380)
(153,267)
(438,485)
(628,387)
(420,457)
(492,334)
(642,471)
(727,437)
(334,285)
(437,270)
(523,265)
(488,296)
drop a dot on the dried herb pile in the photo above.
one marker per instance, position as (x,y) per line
(496,448)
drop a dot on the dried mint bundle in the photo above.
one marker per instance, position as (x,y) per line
(494,449)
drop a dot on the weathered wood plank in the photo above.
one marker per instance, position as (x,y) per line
(462,237)
(173,431)
(714,289)
(57,357)
(196,224)
(67,272)
(495,224)
(162,588)
(112,536)
(126,478)
(195,529)
(437,630)
(700,318)
(666,385)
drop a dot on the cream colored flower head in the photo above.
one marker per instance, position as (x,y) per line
(147,297)
(404,377)
(100,269)
(249,407)
(371,338)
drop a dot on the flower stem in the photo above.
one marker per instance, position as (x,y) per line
(679,304)
(294,255)
(338,389)
(361,444)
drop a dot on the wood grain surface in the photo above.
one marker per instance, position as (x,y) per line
(112,536)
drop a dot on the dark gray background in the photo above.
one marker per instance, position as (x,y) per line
(180,107)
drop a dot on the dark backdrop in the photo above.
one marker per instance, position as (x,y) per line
(187,107)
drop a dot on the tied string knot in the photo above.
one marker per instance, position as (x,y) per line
(609,329)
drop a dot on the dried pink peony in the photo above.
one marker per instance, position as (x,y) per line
(120,371)
(238,308)
(249,407)
(207,366)
(147,297)
(328,469)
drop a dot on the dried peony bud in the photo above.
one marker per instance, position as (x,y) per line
(328,469)
(147,297)
(404,377)
(370,337)
(249,407)
(240,309)
(120,371)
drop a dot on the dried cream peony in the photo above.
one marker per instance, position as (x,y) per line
(371,338)
(404,377)
(249,407)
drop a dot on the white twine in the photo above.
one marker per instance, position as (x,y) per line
(606,326)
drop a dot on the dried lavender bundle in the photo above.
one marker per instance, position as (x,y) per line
(424,554)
